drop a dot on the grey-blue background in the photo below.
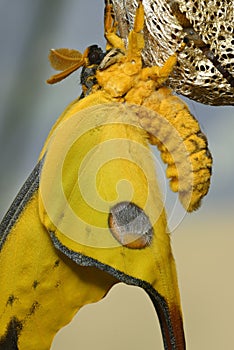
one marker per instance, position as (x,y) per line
(28,108)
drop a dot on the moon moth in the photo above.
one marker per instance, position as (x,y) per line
(91,213)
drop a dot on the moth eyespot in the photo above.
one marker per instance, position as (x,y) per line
(130,225)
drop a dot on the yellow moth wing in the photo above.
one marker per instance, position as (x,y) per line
(75,106)
(41,289)
(82,226)
(106,163)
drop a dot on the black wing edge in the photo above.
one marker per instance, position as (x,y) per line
(157,299)
(27,190)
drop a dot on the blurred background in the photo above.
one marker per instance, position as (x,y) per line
(203,242)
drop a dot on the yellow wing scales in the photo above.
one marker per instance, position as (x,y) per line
(41,289)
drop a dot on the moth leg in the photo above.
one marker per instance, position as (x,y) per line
(110,28)
(168,66)
(136,38)
(159,74)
